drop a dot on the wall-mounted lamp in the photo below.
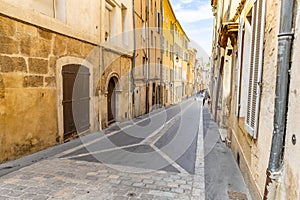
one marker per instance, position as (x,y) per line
(177,58)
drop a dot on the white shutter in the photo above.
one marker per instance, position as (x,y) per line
(256,62)
(240,62)
(143,31)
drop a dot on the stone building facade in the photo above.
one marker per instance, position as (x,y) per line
(35,47)
(50,59)
(116,61)
(191,67)
(246,77)
(68,68)
(169,20)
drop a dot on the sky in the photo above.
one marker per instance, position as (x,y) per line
(196,18)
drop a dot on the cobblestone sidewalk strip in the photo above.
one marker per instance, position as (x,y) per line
(68,179)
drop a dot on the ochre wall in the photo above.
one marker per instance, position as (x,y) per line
(28,107)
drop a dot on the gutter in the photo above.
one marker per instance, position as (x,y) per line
(148,56)
(285,39)
(134,60)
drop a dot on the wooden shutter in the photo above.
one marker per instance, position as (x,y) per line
(256,62)
(240,62)
(157,20)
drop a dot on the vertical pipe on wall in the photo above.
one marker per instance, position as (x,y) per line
(134,58)
(285,38)
(148,59)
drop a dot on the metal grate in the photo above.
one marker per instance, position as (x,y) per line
(237,196)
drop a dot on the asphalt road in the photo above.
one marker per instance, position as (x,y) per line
(165,139)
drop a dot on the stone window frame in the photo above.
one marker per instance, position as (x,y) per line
(59,88)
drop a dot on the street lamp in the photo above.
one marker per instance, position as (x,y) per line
(177,58)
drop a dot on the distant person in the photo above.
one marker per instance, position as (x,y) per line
(205,96)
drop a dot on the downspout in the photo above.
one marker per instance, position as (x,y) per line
(219,65)
(134,58)
(285,38)
(174,73)
(148,59)
(162,92)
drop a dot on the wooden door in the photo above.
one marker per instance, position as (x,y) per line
(76,100)
(111,101)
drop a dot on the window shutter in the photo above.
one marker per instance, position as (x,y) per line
(240,62)
(143,31)
(157,21)
(256,62)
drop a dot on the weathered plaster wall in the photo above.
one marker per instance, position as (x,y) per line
(291,183)
(254,153)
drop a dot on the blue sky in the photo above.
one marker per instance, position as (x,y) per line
(196,18)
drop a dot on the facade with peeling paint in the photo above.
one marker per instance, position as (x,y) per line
(248,69)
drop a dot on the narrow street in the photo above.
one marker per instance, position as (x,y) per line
(172,153)
(158,156)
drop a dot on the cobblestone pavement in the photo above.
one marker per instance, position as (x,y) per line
(73,174)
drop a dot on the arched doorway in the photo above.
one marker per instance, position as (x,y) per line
(111,100)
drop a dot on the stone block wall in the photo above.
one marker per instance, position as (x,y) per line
(117,66)
(28,93)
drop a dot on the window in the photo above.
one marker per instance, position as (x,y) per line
(186,56)
(172,28)
(124,25)
(158,67)
(144,67)
(60,10)
(143,31)
(152,38)
(51,8)
(44,6)
(167,22)
(108,26)
(251,36)
(167,48)
(157,21)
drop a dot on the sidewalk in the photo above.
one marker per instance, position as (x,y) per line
(223,179)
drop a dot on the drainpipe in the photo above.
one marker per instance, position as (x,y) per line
(148,57)
(162,99)
(220,64)
(134,57)
(285,38)
(174,73)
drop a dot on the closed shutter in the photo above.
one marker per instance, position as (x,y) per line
(240,62)
(157,21)
(256,62)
